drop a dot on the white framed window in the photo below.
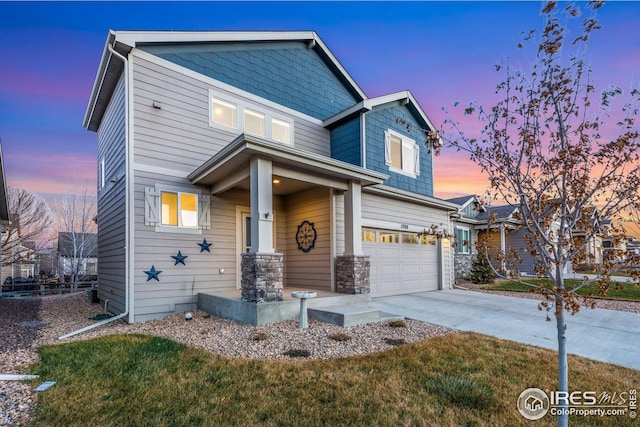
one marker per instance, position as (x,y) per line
(401,154)
(229,113)
(179,209)
(175,209)
(281,130)
(224,113)
(463,242)
(254,123)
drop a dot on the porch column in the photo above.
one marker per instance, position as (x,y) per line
(352,268)
(262,267)
(261,206)
(353,219)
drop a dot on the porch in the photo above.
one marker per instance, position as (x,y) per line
(332,307)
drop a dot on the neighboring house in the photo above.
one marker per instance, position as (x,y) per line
(4,208)
(77,252)
(465,232)
(252,162)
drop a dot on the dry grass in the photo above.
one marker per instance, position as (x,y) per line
(459,379)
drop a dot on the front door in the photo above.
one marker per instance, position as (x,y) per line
(243,237)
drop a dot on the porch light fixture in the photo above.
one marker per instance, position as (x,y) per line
(276,181)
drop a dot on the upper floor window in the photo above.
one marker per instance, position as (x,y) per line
(224,113)
(254,123)
(402,154)
(463,242)
(235,115)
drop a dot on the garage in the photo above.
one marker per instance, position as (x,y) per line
(401,262)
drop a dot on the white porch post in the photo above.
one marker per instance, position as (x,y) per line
(261,206)
(353,219)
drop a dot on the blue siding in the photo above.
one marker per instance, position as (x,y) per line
(286,73)
(379,120)
(345,142)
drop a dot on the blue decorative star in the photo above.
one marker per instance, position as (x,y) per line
(204,246)
(153,274)
(179,258)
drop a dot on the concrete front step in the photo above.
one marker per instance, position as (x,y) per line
(350,315)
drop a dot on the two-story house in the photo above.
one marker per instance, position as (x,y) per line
(253,162)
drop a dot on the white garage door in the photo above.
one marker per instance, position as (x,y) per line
(398,268)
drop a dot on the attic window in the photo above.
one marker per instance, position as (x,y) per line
(402,154)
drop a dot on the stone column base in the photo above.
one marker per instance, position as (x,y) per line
(262,277)
(352,274)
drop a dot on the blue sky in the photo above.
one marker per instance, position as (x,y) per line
(442,51)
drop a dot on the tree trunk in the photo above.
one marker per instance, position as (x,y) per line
(563,365)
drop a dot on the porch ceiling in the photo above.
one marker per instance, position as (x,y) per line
(296,170)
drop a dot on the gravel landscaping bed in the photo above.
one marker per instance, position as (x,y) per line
(26,323)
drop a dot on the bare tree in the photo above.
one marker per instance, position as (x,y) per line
(75,215)
(544,150)
(30,219)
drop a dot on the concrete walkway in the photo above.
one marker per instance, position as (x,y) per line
(604,335)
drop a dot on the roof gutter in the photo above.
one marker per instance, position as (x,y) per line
(128,237)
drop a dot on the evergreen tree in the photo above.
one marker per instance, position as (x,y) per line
(481,271)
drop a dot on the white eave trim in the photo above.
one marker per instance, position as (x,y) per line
(404,97)
(134,38)
(387,191)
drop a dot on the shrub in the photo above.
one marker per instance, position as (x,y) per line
(260,336)
(395,341)
(339,336)
(297,353)
(398,323)
(481,271)
(467,392)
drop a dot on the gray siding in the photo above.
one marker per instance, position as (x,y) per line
(170,143)
(111,203)
(311,269)
(178,135)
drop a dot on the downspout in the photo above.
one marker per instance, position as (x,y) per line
(127,208)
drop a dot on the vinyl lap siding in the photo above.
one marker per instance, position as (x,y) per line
(311,269)
(178,135)
(111,203)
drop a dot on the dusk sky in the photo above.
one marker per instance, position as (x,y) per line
(442,52)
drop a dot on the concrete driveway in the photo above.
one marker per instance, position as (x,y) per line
(604,335)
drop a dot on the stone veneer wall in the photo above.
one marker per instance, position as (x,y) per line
(462,265)
(262,276)
(352,274)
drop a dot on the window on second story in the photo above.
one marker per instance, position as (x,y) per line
(254,123)
(402,154)
(224,113)
(281,130)
(229,114)
(463,242)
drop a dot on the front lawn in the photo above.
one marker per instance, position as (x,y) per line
(628,291)
(458,379)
